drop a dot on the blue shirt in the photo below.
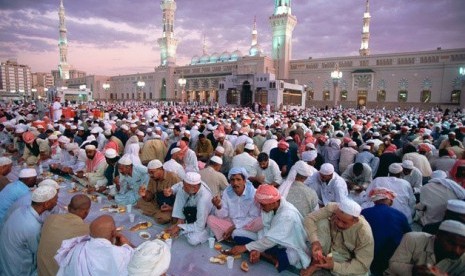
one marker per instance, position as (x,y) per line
(129,191)
(389,226)
(10,194)
(19,240)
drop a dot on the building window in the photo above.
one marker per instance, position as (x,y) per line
(127,96)
(310,95)
(326,95)
(344,95)
(455,96)
(151,96)
(231,96)
(425,96)
(381,96)
(403,96)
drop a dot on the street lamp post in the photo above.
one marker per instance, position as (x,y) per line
(140,87)
(34,91)
(462,92)
(182,82)
(336,75)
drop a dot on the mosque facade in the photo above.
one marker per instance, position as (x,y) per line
(415,79)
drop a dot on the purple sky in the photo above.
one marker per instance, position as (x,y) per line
(111,37)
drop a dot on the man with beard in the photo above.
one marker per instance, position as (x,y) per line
(175,164)
(341,239)
(421,253)
(131,178)
(153,202)
(95,166)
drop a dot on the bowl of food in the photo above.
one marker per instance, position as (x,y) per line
(145,235)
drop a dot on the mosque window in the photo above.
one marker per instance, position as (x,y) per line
(381,96)
(425,96)
(455,96)
(326,95)
(344,95)
(310,95)
(403,96)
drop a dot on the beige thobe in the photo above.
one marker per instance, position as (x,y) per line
(55,230)
(216,181)
(352,248)
(153,149)
(417,248)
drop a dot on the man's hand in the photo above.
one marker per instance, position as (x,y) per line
(317,252)
(254,256)
(228,232)
(309,270)
(328,263)
(236,250)
(166,208)
(216,200)
(173,230)
(120,239)
(425,270)
(80,174)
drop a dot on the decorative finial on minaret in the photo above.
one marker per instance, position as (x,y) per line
(204,46)
(255,48)
(254,32)
(364,50)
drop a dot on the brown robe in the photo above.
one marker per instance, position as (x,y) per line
(55,230)
(3,182)
(153,149)
(151,208)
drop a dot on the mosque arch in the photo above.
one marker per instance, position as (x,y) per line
(246,94)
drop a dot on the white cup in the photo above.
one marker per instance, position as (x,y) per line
(99,199)
(129,208)
(230,261)
(211,242)
(112,190)
(73,185)
(132,217)
(169,242)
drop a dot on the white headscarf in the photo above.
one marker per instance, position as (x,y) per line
(151,258)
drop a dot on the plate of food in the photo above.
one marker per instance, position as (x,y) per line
(145,235)
(113,209)
(141,226)
(93,197)
(73,190)
(164,236)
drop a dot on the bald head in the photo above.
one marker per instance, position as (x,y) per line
(80,205)
(103,227)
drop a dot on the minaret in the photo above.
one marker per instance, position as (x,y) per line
(364,50)
(168,43)
(255,48)
(283,23)
(63,67)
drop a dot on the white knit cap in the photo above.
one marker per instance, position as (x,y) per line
(154,164)
(49,182)
(309,155)
(192,178)
(303,169)
(64,139)
(453,226)
(94,130)
(395,168)
(217,160)
(110,153)
(310,145)
(456,206)
(439,174)
(124,127)
(43,194)
(90,147)
(52,137)
(407,164)
(249,146)
(219,149)
(352,144)
(174,150)
(350,207)
(107,132)
(71,147)
(366,147)
(150,258)
(327,169)
(139,133)
(125,160)
(5,161)
(28,172)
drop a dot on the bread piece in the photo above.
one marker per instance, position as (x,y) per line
(244,266)
(218,246)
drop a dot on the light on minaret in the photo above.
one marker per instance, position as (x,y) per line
(63,67)
(364,50)
(168,43)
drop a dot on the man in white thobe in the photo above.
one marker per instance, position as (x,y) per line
(246,160)
(95,254)
(57,109)
(328,185)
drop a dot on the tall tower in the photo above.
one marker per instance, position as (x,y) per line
(364,50)
(63,67)
(282,23)
(168,43)
(255,48)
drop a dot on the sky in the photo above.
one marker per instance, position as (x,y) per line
(113,37)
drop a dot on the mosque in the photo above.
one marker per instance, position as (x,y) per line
(415,79)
